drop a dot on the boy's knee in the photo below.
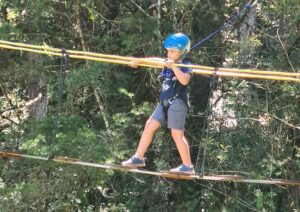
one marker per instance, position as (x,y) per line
(177,134)
(151,125)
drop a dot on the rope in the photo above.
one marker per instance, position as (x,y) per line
(124,60)
(226,24)
(205,128)
(197,69)
(162,174)
(62,73)
(154,63)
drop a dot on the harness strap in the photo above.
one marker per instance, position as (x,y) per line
(166,104)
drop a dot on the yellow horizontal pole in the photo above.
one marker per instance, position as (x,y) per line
(73,56)
(109,60)
(146,62)
(244,75)
(50,49)
(4,46)
(295,74)
(149,61)
(250,71)
(29,45)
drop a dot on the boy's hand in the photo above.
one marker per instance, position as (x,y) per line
(134,63)
(169,63)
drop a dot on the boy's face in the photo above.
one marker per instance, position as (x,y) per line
(174,54)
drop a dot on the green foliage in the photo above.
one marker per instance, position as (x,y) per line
(264,143)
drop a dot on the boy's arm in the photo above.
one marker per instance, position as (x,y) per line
(182,77)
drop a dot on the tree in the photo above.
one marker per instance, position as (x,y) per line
(104,106)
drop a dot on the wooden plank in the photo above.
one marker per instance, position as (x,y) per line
(178,176)
(11,155)
(162,174)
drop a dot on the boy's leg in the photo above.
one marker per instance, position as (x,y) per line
(182,146)
(150,127)
(156,120)
(176,120)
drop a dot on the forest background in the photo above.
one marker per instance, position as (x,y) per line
(254,127)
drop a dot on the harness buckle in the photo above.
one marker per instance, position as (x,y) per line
(170,101)
(165,103)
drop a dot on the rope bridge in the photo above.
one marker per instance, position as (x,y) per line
(162,174)
(153,63)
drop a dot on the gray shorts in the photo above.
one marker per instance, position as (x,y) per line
(176,115)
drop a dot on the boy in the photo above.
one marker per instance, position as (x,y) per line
(173,106)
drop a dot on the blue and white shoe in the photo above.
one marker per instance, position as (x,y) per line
(184,169)
(134,162)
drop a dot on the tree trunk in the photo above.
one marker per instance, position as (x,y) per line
(246,54)
(159,24)
(38,108)
(37,104)
(292,166)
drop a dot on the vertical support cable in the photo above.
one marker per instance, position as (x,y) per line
(205,128)
(62,74)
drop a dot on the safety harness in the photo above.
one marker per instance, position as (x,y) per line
(177,87)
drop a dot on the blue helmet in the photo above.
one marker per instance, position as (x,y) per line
(178,41)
